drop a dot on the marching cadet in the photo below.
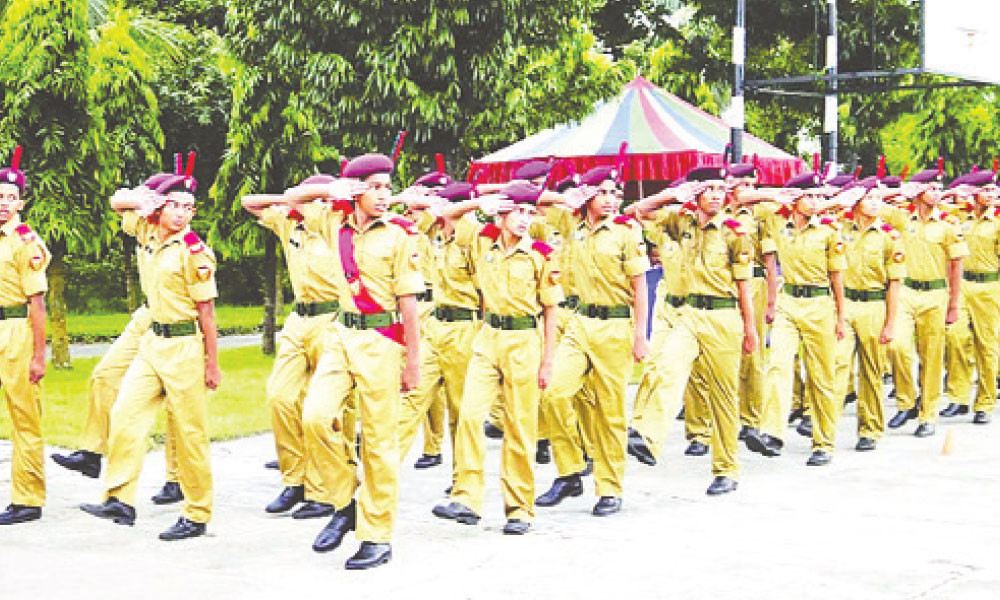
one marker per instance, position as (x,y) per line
(981,288)
(607,257)
(317,282)
(177,360)
(717,321)
(934,252)
(512,355)
(810,312)
(377,353)
(106,379)
(876,265)
(23,260)
(455,319)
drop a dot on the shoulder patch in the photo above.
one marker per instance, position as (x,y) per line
(912,207)
(849,215)
(26,233)
(408,226)
(996,213)
(194,243)
(491,231)
(688,207)
(542,248)
(342,206)
(735,225)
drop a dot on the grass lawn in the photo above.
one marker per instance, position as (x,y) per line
(237,408)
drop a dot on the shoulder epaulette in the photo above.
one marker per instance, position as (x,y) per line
(849,215)
(785,211)
(735,225)
(542,248)
(912,207)
(295,215)
(193,242)
(407,225)
(688,207)
(26,233)
(342,206)
(491,231)
(996,213)
(624,219)
(892,231)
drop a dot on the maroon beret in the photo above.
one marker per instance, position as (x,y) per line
(318,178)
(928,176)
(433,179)
(457,191)
(976,178)
(177,183)
(741,170)
(841,180)
(154,181)
(706,174)
(533,169)
(891,181)
(599,174)
(367,164)
(13,174)
(522,193)
(805,181)
(570,182)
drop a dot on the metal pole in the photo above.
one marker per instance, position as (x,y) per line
(739,58)
(830,119)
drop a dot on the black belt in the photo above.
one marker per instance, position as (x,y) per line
(925,285)
(599,311)
(675,301)
(18,311)
(450,314)
(759,271)
(169,330)
(312,309)
(864,295)
(710,302)
(571,302)
(806,291)
(369,321)
(981,276)
(511,323)
(425,296)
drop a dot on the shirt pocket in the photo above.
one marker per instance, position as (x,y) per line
(522,276)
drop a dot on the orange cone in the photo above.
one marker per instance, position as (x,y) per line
(949,443)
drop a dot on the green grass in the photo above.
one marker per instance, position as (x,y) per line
(238,408)
(105,326)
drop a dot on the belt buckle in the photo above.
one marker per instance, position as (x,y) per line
(602,312)
(507,322)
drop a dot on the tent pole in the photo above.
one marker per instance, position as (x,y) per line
(641,195)
(739,58)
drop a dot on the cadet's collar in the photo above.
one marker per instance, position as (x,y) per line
(990,214)
(9,227)
(173,237)
(814,221)
(522,245)
(876,224)
(743,209)
(715,221)
(352,222)
(605,222)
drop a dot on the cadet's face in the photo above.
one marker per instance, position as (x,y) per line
(930,197)
(518,220)
(10,201)
(870,205)
(375,201)
(177,211)
(607,200)
(711,200)
(808,204)
(987,196)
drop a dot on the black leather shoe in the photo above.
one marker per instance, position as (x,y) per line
(743,432)
(272,464)
(892,393)
(766,445)
(818,459)
(721,485)
(82,461)
(805,428)
(607,505)
(588,468)
(113,509)
(492,431)
(981,417)
(562,488)
(865,444)
(168,494)
(332,535)
(543,452)
(288,498)
(427,461)
(369,555)
(183,529)
(696,448)
(795,415)
(680,414)
(924,430)
(516,527)
(901,417)
(314,510)
(637,447)
(953,410)
(851,397)
(456,512)
(19,513)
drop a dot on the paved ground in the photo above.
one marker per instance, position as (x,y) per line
(903,522)
(91,350)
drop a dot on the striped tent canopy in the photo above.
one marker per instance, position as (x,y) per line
(666,138)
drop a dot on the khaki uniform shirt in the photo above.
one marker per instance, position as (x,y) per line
(178,275)
(982,234)
(23,260)
(807,255)
(313,267)
(930,245)
(874,256)
(604,259)
(451,267)
(516,282)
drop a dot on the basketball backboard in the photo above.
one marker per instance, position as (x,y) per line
(962,39)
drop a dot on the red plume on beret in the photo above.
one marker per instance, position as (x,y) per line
(880,171)
(439,158)
(725,155)
(620,162)
(940,165)
(857,172)
(906,171)
(189,171)
(343,166)
(816,162)
(398,147)
(15,161)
